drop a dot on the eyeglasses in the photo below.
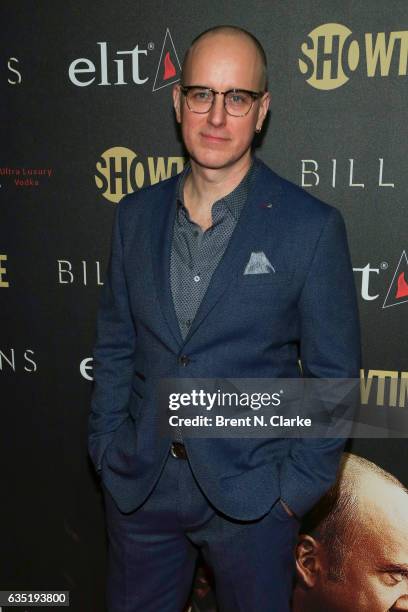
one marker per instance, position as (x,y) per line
(237,102)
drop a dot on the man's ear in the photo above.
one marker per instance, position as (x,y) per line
(308,560)
(177,101)
(263,109)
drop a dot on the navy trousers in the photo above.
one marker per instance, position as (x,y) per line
(153,550)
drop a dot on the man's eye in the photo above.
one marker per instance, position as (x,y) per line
(239,98)
(396,577)
(202,95)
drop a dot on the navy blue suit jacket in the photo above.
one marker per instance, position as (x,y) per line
(247,326)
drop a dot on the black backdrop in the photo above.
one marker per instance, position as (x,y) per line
(86,92)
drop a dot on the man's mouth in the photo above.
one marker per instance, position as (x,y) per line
(211,138)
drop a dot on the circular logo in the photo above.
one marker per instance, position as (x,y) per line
(118,172)
(329,56)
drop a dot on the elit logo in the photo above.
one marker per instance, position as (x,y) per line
(398,289)
(397,292)
(127,67)
(120,171)
(168,68)
(331,53)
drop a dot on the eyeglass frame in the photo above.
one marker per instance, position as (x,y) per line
(255,95)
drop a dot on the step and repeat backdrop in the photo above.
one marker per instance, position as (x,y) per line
(87,117)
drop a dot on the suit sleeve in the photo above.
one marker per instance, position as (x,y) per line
(113,353)
(329,348)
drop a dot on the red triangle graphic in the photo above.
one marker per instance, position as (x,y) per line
(168,66)
(169,69)
(402,288)
(398,290)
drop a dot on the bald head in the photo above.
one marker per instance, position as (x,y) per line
(227,31)
(352,551)
(351,509)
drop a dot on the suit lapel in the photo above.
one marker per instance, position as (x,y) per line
(250,225)
(161,230)
(264,189)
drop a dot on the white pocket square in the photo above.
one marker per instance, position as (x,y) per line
(258,263)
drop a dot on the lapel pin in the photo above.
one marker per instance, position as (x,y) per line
(267,205)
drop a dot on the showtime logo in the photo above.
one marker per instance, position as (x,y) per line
(390,388)
(397,292)
(331,53)
(4,283)
(120,171)
(124,67)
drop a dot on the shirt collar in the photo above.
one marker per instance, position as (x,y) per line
(234,200)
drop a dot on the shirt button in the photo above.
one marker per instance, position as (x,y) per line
(184,360)
(188,322)
(196,278)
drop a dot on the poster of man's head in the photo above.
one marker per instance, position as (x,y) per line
(352,549)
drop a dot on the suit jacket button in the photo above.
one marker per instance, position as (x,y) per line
(184,360)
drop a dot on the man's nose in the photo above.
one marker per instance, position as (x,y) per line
(217,114)
(401,605)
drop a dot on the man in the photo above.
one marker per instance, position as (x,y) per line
(352,554)
(224,271)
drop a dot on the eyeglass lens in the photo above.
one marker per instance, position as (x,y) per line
(237,102)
